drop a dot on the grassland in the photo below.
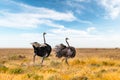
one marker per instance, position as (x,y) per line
(89,64)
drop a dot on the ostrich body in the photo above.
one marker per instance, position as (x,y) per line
(42,50)
(64,51)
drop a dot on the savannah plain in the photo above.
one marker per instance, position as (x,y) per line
(88,64)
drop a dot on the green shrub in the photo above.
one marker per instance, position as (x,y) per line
(16,57)
(2,61)
(95,65)
(16,71)
(35,76)
(54,77)
(3,68)
(54,64)
(108,63)
(103,70)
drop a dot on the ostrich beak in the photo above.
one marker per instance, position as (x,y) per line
(44,33)
(67,38)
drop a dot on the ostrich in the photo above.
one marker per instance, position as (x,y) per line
(42,50)
(63,51)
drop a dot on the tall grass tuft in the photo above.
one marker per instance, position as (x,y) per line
(54,77)
(3,68)
(16,57)
(16,71)
(34,76)
(55,64)
(108,63)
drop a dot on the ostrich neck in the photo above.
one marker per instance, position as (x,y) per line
(67,43)
(44,38)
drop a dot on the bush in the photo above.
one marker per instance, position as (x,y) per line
(95,65)
(54,64)
(3,68)
(2,61)
(16,57)
(16,71)
(35,76)
(108,63)
(54,77)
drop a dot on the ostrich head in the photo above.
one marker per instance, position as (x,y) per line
(66,38)
(67,41)
(44,33)
(36,44)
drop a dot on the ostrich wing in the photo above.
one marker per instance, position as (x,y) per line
(69,52)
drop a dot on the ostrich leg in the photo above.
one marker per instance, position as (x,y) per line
(42,60)
(34,58)
(66,61)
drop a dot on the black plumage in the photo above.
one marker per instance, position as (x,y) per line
(42,50)
(63,51)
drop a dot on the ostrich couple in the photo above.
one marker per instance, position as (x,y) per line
(44,50)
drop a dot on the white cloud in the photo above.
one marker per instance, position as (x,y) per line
(31,16)
(73,34)
(91,29)
(53,37)
(84,21)
(18,20)
(75,5)
(77,38)
(78,8)
(112,7)
(83,38)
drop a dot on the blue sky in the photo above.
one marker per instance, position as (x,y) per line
(88,23)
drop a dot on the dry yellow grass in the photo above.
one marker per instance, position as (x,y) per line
(89,64)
